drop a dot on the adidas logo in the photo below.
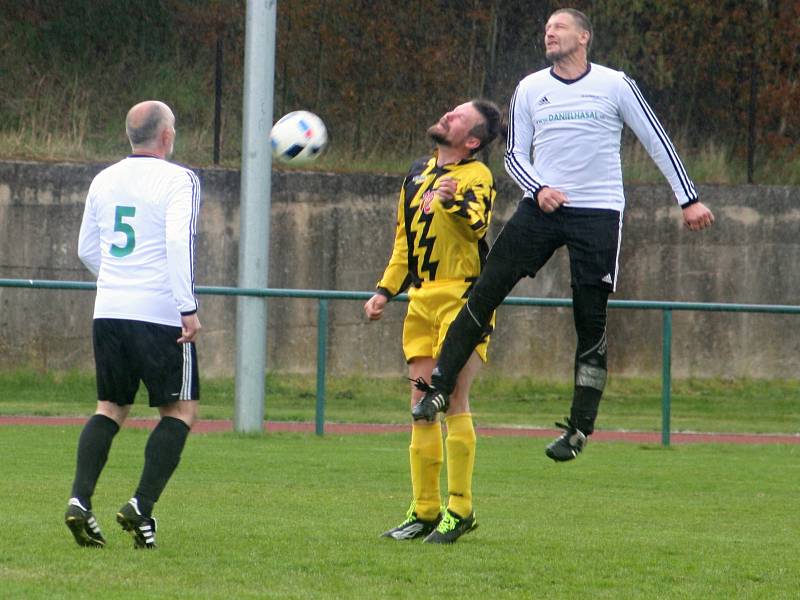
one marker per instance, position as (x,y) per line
(607,278)
(408,532)
(544,100)
(439,401)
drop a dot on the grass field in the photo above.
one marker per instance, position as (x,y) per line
(730,406)
(296,516)
(299,516)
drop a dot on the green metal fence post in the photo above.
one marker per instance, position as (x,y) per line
(666,374)
(322,345)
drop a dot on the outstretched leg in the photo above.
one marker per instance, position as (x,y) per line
(590,307)
(590,310)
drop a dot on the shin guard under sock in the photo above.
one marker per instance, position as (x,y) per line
(426,455)
(585,403)
(460,444)
(93,447)
(590,309)
(161,457)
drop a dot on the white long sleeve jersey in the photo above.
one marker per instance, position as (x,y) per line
(574,129)
(137,236)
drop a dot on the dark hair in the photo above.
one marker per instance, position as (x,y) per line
(487,131)
(583,22)
(149,128)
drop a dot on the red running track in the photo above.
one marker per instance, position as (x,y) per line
(639,437)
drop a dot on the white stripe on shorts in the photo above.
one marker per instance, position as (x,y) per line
(186,383)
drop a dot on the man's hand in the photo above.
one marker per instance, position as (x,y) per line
(697,216)
(550,199)
(190,327)
(446,189)
(374,306)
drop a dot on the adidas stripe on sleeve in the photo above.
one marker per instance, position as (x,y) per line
(638,115)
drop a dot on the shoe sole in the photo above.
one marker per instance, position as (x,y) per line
(558,458)
(130,527)
(78,528)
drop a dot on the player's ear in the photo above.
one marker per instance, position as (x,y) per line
(472,142)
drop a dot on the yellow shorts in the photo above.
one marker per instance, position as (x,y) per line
(431,309)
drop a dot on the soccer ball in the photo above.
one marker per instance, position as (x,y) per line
(298,138)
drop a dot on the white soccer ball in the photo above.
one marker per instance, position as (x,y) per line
(298,137)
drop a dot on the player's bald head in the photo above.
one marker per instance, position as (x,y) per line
(146,121)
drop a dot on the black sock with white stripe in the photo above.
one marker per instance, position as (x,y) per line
(93,447)
(161,457)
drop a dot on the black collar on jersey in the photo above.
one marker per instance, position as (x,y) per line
(142,156)
(463,161)
(571,81)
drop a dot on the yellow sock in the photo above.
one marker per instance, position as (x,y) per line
(426,455)
(460,461)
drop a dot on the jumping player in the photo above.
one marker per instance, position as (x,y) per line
(570,118)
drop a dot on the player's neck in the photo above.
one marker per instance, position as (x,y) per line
(448,156)
(148,152)
(571,67)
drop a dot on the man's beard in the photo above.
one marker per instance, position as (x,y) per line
(437,137)
(566,49)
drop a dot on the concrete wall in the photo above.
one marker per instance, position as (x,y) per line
(332,231)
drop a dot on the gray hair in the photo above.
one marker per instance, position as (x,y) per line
(148,129)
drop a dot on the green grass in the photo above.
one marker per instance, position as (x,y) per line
(297,516)
(743,406)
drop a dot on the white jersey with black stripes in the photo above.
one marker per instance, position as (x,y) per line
(137,236)
(566,135)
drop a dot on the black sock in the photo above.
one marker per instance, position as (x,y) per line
(93,447)
(161,457)
(591,356)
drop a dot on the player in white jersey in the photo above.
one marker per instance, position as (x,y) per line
(137,237)
(569,118)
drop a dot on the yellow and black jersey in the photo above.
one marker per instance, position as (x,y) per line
(438,240)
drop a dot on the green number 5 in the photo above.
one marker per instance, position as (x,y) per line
(130,234)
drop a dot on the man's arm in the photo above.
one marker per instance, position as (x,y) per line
(518,155)
(518,145)
(89,238)
(638,115)
(181,227)
(395,277)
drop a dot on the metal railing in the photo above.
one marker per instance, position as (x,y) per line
(324,296)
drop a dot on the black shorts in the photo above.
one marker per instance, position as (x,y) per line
(592,237)
(127,352)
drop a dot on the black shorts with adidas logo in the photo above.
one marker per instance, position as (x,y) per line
(128,352)
(592,237)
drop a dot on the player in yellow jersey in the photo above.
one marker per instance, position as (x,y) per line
(443,214)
